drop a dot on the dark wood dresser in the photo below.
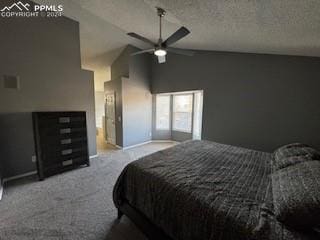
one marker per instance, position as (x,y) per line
(61,141)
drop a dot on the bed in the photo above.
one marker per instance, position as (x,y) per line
(203,190)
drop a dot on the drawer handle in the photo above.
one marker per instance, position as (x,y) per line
(67,162)
(64,120)
(65,130)
(66,141)
(66,152)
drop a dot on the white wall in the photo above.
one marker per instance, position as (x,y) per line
(100,113)
(101,75)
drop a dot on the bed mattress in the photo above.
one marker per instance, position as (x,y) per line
(204,190)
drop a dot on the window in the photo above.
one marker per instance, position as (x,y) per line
(163,112)
(182,113)
(179,112)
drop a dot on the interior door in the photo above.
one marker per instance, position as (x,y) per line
(110,118)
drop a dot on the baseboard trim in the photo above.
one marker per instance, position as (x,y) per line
(19,176)
(136,145)
(151,141)
(115,145)
(30,173)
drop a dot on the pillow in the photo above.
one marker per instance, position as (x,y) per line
(296,195)
(293,145)
(296,149)
(292,154)
(289,161)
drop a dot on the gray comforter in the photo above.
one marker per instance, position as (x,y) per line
(200,190)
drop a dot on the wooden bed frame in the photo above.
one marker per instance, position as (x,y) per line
(151,231)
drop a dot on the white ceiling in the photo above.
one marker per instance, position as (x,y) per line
(290,27)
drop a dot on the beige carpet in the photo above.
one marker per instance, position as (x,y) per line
(73,205)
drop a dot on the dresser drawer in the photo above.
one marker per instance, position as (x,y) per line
(62,129)
(51,160)
(60,120)
(65,140)
(60,140)
(64,166)
(57,153)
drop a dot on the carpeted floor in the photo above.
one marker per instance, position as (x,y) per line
(73,205)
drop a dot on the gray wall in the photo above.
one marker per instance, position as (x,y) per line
(137,100)
(120,66)
(45,53)
(16,144)
(130,79)
(250,100)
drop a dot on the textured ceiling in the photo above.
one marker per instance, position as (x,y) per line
(263,26)
(290,27)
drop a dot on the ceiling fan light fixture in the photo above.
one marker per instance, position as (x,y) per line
(160,52)
(161,48)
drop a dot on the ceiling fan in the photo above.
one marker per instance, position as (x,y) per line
(161,48)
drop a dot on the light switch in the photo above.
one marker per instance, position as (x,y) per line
(11,82)
(33,159)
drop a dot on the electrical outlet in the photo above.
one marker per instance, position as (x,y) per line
(34,159)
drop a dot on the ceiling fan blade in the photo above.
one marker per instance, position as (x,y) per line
(180,33)
(185,52)
(161,59)
(142,51)
(137,36)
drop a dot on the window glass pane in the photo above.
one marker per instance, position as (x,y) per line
(182,113)
(163,112)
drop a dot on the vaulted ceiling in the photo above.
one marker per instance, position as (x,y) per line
(290,27)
